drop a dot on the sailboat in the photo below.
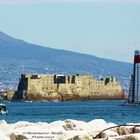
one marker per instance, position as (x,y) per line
(134,89)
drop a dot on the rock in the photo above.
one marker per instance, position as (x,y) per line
(110,138)
(69,125)
(128,137)
(4,126)
(23,124)
(98,122)
(3,122)
(56,124)
(125,130)
(79,125)
(137,130)
(108,133)
(81,137)
(17,137)
(4,136)
(98,125)
(67,130)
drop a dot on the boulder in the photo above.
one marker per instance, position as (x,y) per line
(3,125)
(4,136)
(128,137)
(137,129)
(98,125)
(110,138)
(81,137)
(69,125)
(108,133)
(18,137)
(125,130)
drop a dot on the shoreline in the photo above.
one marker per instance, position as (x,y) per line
(83,100)
(67,130)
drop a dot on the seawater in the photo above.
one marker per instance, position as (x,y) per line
(110,111)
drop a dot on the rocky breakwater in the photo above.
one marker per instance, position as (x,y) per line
(67,130)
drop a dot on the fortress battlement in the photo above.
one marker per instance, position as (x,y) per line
(66,86)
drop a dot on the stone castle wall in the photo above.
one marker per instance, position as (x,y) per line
(61,87)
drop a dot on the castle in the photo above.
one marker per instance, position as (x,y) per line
(51,87)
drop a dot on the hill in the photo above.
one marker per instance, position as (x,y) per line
(18,56)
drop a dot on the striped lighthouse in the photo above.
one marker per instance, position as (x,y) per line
(134,92)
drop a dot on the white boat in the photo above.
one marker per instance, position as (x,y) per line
(55,101)
(3,109)
(28,101)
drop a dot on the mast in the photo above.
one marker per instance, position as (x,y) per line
(136,79)
(130,97)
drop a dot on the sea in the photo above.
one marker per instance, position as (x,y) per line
(113,111)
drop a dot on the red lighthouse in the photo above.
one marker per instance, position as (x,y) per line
(134,91)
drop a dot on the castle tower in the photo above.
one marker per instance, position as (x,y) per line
(134,95)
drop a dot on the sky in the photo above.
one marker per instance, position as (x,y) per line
(104,28)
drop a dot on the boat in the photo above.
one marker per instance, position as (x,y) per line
(27,101)
(134,89)
(3,109)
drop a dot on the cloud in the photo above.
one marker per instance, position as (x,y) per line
(68,1)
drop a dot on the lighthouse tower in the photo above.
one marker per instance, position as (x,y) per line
(134,91)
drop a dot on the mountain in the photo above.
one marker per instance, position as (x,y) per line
(18,56)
